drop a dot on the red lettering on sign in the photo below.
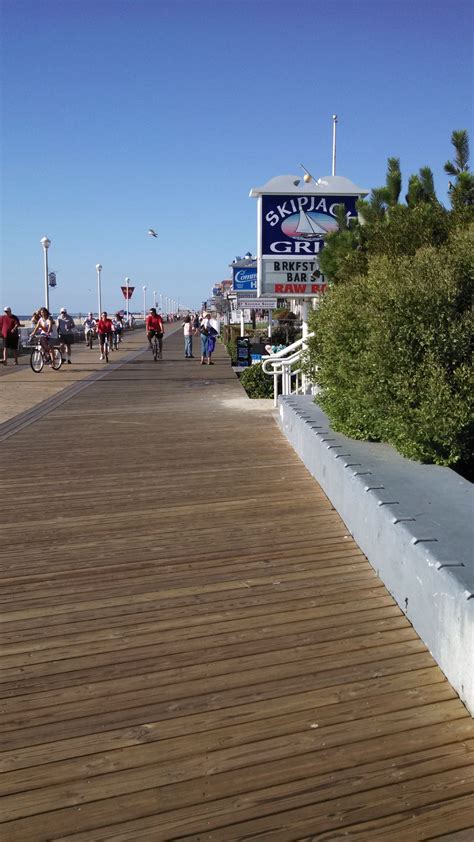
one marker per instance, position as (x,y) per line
(278,287)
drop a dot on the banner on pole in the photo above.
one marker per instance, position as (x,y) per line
(127,291)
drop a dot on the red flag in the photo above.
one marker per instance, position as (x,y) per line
(127,291)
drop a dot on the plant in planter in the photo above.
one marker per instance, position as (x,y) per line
(256,383)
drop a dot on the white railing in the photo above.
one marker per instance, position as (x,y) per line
(286,364)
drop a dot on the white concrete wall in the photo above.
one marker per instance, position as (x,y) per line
(413,522)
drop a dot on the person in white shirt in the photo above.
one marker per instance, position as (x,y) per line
(188,338)
(90,328)
(65,326)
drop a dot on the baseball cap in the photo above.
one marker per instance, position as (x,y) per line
(6,309)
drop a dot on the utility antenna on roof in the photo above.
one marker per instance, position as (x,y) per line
(334,123)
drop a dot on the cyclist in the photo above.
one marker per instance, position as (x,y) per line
(90,326)
(44,328)
(104,329)
(154,327)
(117,327)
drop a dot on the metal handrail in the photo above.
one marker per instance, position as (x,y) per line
(281,364)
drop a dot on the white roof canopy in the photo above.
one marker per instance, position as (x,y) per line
(335,185)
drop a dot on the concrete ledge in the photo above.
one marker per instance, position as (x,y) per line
(413,522)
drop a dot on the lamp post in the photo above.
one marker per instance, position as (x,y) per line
(154,298)
(144,302)
(127,281)
(161,303)
(45,242)
(99,287)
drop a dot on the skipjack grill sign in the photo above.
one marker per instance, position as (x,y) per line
(298,224)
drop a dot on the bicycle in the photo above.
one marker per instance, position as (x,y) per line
(90,338)
(106,347)
(155,347)
(39,357)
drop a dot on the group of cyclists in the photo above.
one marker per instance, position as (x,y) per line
(108,329)
(45,328)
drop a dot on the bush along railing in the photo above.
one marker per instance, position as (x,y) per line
(256,383)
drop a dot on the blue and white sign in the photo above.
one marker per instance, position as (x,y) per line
(245,279)
(296,225)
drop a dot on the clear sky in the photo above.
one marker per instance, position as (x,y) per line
(118,116)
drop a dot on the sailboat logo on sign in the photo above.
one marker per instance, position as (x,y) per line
(298,224)
(308,226)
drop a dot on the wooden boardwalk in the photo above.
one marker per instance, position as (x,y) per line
(193,647)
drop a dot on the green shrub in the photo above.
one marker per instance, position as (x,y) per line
(393,351)
(232,350)
(256,383)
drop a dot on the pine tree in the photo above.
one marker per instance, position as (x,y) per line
(462,191)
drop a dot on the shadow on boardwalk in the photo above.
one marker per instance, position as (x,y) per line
(193,645)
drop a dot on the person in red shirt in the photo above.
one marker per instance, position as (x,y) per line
(154,327)
(104,329)
(10,333)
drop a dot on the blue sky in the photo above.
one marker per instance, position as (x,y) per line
(119,115)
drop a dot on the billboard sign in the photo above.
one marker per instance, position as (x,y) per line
(296,225)
(291,278)
(244,279)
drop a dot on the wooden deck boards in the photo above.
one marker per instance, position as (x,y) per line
(193,646)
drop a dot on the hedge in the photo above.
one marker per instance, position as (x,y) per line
(393,349)
(256,383)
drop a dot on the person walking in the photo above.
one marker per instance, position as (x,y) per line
(188,338)
(10,325)
(66,326)
(212,340)
(205,334)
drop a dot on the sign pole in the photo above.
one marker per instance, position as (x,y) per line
(127,280)
(259,248)
(270,323)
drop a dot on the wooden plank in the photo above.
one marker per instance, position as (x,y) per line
(204,651)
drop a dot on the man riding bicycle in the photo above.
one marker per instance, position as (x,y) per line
(154,327)
(104,329)
(90,327)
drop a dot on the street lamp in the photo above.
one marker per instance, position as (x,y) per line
(127,281)
(144,302)
(99,287)
(154,298)
(46,244)
(161,303)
